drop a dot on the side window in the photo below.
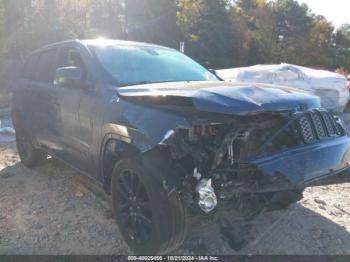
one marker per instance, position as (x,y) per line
(72,57)
(46,66)
(29,67)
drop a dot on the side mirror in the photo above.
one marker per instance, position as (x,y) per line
(69,77)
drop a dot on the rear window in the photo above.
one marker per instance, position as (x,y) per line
(46,66)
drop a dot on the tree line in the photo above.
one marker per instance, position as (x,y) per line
(217,33)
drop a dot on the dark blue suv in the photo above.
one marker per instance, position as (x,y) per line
(168,140)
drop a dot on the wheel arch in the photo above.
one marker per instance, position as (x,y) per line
(114,149)
(119,142)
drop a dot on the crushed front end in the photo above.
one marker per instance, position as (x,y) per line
(245,162)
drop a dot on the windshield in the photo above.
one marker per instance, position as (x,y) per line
(132,65)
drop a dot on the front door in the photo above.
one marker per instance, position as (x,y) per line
(45,101)
(76,148)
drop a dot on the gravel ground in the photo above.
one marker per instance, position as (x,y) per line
(54,210)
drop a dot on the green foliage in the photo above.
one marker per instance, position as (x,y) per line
(342,45)
(152,21)
(292,28)
(219,34)
(257,26)
(206,29)
(320,50)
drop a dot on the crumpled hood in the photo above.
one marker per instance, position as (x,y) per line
(220,97)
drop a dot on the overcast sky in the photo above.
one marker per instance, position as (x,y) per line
(337,11)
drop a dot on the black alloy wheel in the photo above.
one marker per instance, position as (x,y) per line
(134,210)
(148,220)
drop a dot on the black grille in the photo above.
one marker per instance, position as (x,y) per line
(306,129)
(329,121)
(316,125)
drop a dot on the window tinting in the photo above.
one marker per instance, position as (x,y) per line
(71,57)
(46,66)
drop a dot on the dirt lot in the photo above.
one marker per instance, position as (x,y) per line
(54,210)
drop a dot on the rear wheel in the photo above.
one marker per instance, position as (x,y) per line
(149,221)
(29,155)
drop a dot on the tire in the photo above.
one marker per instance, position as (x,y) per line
(160,224)
(29,155)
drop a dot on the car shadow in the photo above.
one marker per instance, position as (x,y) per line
(296,230)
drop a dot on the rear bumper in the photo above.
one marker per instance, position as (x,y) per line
(307,164)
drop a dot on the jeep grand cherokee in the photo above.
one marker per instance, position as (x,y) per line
(167,139)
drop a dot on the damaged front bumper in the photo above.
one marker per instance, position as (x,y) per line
(259,156)
(324,150)
(305,165)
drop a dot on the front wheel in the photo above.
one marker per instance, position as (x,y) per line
(149,221)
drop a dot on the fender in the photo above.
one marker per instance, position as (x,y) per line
(126,142)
